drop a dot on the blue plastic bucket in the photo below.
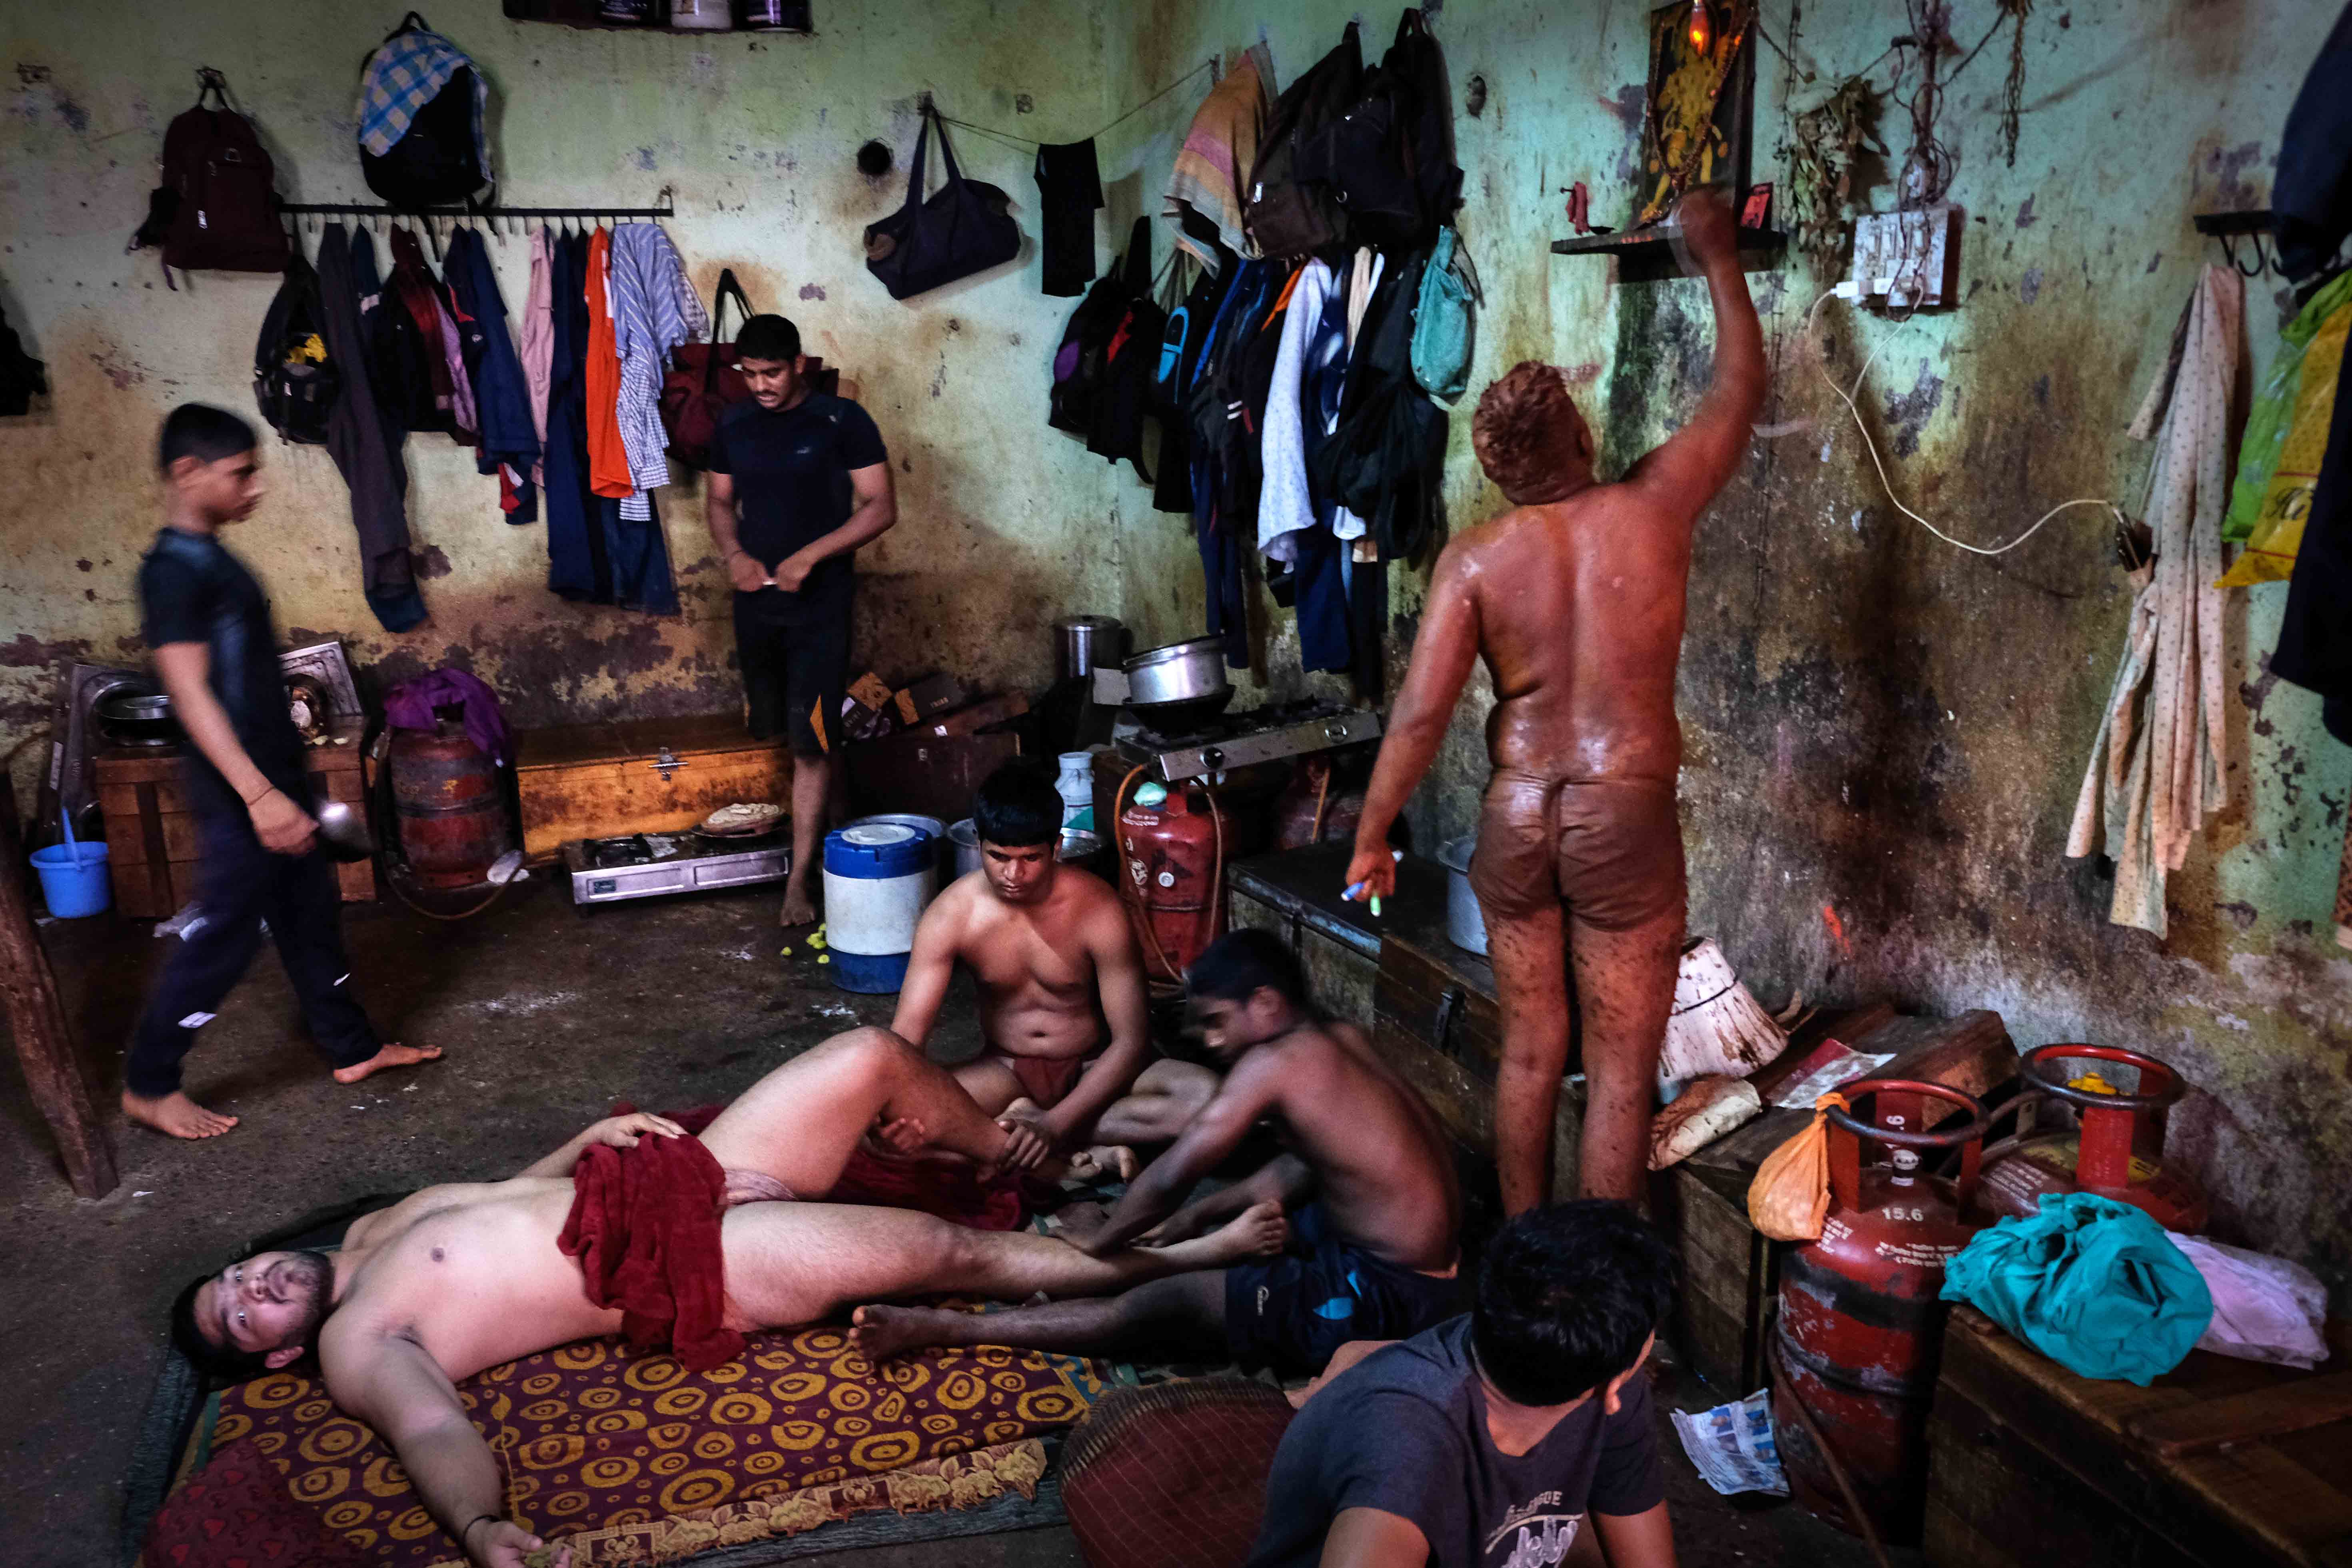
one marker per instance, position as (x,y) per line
(74,880)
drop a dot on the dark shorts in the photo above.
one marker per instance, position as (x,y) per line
(793,676)
(1609,849)
(1291,1313)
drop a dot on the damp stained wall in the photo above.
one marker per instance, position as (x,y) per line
(1000,525)
(1884,736)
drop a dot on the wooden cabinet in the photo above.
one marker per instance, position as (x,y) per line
(151,831)
(641,775)
(2028,1464)
(1295,894)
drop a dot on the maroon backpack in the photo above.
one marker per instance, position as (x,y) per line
(222,188)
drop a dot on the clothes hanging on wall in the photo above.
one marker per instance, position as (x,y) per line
(411,285)
(367,449)
(654,311)
(2311,195)
(538,346)
(608,455)
(2160,760)
(510,442)
(576,566)
(1204,189)
(1069,193)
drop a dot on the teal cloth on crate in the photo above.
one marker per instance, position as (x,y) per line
(2093,1284)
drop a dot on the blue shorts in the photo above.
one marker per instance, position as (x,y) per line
(1291,1313)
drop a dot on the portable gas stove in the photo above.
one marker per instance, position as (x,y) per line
(1234,740)
(645,865)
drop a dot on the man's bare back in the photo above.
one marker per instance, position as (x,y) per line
(1576,601)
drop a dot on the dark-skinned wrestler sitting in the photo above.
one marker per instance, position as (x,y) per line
(1575,599)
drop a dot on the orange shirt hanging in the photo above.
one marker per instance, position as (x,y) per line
(608,459)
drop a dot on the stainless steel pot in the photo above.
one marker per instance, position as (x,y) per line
(1193,671)
(1465,927)
(138,718)
(1082,642)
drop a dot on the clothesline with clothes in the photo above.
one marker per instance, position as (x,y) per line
(568,409)
(1208,65)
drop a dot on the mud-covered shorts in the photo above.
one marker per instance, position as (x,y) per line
(1611,849)
(1291,1313)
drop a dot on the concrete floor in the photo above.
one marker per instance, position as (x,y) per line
(548,1016)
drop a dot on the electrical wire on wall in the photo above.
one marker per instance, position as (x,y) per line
(1849,397)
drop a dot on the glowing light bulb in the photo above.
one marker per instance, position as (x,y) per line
(1702,29)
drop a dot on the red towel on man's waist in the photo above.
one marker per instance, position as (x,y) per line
(645,1226)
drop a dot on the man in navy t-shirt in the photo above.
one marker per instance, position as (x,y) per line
(1491,1440)
(799,479)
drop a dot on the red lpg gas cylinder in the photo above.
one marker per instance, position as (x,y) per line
(2117,1149)
(445,791)
(1860,1326)
(1171,857)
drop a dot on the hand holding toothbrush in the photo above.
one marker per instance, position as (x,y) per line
(1372,874)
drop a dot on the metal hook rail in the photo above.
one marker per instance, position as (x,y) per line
(2253,225)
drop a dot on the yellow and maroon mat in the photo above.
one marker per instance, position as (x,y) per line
(631,1458)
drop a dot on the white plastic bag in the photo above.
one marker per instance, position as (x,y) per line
(2264,1308)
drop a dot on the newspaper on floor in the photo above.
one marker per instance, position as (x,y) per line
(1732,1447)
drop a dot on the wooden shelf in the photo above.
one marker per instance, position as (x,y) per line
(1644,255)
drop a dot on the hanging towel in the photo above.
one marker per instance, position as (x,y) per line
(538,342)
(2093,1284)
(654,311)
(2159,761)
(608,456)
(1284,506)
(366,451)
(1204,190)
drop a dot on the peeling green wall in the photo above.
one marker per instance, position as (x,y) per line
(1877,724)
(999,518)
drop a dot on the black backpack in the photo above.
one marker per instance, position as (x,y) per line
(217,206)
(439,160)
(1383,460)
(1081,361)
(294,383)
(1130,364)
(1287,215)
(1389,160)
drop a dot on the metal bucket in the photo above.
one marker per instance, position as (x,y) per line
(964,838)
(1082,642)
(1466,927)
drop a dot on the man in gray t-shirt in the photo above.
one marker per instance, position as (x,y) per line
(1489,1440)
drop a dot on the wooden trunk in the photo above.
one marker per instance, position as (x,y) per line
(151,829)
(1295,894)
(2028,1464)
(641,775)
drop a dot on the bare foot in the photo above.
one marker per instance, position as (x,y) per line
(881,1334)
(1259,1231)
(393,1055)
(800,909)
(177,1115)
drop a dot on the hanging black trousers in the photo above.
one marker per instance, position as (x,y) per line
(239,884)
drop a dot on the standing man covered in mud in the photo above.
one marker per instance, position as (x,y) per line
(1575,599)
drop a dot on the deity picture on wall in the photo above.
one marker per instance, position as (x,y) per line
(1694,120)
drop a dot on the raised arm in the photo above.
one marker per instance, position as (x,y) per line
(1119,981)
(929,966)
(280,823)
(389,1381)
(1442,656)
(1249,1091)
(1684,472)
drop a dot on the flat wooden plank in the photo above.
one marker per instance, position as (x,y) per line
(2319,1401)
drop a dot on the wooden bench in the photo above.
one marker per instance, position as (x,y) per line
(2028,1464)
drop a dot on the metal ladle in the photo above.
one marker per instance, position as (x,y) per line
(343,831)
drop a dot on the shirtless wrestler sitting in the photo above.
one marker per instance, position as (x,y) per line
(1377,1248)
(1575,599)
(1069,1062)
(459,1277)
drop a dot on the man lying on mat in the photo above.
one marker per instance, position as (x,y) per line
(1068,1062)
(459,1277)
(1378,1252)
